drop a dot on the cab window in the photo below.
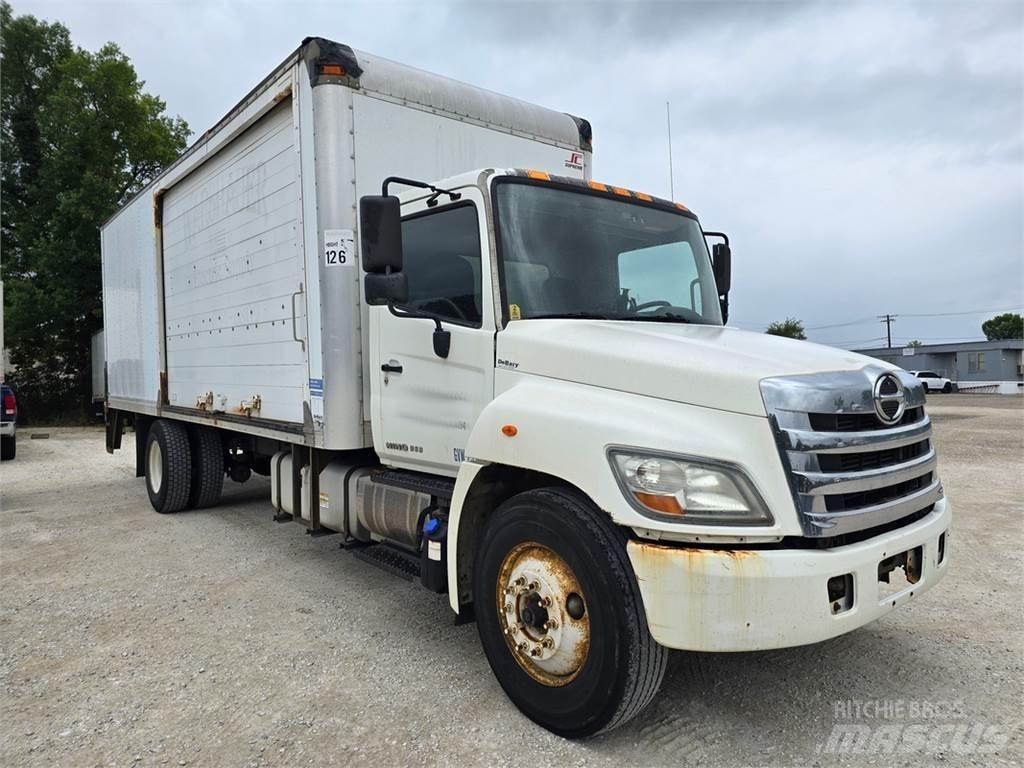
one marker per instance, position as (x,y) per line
(441,261)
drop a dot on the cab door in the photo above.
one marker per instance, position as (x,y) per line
(425,405)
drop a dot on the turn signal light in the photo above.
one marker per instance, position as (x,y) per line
(668,505)
(332,69)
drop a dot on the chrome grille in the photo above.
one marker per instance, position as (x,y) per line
(848,471)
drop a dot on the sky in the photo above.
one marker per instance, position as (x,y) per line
(865,158)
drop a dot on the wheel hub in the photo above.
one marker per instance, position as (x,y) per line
(542,613)
(155,466)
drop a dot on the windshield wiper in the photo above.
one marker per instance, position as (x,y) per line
(666,318)
(573,315)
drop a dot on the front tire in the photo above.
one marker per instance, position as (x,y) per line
(560,615)
(947,387)
(925,385)
(168,466)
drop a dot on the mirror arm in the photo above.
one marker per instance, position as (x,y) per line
(442,338)
(432,201)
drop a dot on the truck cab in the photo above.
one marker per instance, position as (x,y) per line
(772,492)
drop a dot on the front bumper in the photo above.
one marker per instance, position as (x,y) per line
(745,600)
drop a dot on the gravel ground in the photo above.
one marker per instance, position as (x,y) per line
(220,638)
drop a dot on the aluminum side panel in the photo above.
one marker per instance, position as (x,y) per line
(234,276)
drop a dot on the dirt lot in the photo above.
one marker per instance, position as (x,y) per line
(221,638)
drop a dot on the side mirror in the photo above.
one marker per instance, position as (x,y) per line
(721,262)
(384,289)
(380,232)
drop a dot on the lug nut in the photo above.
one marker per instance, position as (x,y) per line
(545,602)
(550,624)
(547,642)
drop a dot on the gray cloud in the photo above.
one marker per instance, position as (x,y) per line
(865,157)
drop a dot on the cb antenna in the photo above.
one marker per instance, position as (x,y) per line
(671,175)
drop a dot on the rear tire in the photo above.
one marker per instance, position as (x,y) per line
(207,467)
(925,385)
(168,466)
(8,448)
(602,667)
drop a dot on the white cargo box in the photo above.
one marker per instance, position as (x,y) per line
(231,286)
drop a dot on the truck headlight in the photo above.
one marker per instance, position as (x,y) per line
(688,489)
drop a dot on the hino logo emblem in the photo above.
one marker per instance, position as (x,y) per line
(890,398)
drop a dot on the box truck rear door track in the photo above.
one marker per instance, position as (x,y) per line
(234,276)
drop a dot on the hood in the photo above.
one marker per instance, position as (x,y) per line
(703,365)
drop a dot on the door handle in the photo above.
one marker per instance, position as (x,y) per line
(295,332)
(392,367)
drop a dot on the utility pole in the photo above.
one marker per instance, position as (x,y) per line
(671,179)
(887,319)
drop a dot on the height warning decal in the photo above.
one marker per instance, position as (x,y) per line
(339,247)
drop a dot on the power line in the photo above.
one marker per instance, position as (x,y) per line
(951,314)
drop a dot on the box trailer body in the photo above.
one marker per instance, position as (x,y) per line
(406,301)
(231,283)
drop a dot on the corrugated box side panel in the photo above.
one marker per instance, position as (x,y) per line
(234,277)
(131,309)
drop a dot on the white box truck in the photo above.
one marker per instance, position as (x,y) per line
(405,300)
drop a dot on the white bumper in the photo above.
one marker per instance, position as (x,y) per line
(744,600)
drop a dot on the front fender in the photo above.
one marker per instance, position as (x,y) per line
(564,429)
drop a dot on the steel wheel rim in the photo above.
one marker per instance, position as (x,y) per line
(155,466)
(534,593)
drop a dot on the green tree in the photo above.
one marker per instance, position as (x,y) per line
(1006,326)
(915,343)
(790,327)
(80,137)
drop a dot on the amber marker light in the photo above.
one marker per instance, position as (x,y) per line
(332,69)
(539,175)
(668,505)
(510,430)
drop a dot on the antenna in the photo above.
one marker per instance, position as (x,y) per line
(671,175)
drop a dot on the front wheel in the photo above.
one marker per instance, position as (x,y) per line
(947,387)
(560,615)
(925,385)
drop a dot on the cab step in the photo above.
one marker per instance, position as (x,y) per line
(391,559)
(440,487)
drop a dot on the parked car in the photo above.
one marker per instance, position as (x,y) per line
(933,382)
(8,417)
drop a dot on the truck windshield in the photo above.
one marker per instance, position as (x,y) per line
(567,253)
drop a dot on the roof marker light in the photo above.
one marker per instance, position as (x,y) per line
(598,186)
(621,191)
(645,197)
(539,175)
(332,69)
